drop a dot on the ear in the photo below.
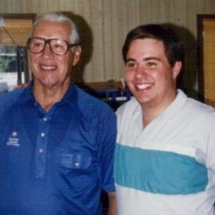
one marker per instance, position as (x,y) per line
(176,69)
(77,55)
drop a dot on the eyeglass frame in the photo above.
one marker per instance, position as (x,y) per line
(47,41)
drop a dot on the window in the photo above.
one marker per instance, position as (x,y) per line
(14,30)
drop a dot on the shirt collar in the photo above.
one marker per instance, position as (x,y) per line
(70,96)
(171,110)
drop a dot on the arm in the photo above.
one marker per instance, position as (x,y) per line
(112,203)
(107,139)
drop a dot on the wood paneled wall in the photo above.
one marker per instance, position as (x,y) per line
(105,23)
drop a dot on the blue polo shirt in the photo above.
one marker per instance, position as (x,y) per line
(55,162)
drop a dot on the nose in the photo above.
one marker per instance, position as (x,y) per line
(140,71)
(47,50)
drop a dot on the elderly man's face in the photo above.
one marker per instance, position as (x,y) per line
(51,70)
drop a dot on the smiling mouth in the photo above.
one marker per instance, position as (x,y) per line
(143,86)
(48,67)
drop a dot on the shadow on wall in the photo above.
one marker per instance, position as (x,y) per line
(86,40)
(187,80)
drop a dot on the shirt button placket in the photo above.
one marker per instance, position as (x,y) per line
(41,148)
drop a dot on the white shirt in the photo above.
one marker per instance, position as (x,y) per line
(168,168)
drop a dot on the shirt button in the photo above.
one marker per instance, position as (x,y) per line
(40,150)
(45,119)
(77,164)
(42,134)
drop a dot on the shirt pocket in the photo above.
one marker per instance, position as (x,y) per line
(75,161)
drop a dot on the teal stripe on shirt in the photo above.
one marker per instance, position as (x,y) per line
(159,171)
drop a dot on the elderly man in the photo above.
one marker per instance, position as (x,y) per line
(56,141)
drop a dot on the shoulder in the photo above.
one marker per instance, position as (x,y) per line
(196,112)
(128,112)
(9,98)
(200,109)
(191,107)
(92,106)
(128,108)
(202,114)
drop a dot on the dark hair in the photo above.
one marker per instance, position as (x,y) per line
(173,46)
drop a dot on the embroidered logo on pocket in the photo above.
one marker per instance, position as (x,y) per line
(13,140)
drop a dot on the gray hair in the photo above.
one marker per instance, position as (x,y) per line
(58,17)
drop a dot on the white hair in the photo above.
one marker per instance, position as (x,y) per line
(58,17)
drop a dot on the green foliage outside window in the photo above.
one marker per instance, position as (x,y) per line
(7,59)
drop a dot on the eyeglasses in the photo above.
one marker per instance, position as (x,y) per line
(58,46)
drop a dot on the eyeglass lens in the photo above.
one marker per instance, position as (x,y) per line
(58,46)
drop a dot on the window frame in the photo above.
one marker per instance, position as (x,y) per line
(17,16)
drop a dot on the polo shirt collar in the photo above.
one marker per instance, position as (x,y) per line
(70,96)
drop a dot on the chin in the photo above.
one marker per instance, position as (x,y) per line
(48,84)
(143,100)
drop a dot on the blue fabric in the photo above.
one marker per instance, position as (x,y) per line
(151,171)
(55,162)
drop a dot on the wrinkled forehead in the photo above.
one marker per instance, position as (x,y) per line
(52,29)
